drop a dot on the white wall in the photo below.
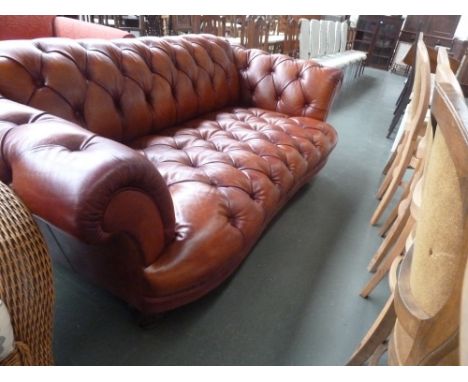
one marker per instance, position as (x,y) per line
(462,30)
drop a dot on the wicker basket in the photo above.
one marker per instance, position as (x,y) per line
(26,284)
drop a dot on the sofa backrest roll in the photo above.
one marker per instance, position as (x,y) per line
(121,89)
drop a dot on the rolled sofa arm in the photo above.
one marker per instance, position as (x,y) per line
(88,186)
(280,83)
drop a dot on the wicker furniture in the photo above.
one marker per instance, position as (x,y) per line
(26,285)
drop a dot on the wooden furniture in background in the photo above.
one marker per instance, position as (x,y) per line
(378,36)
(179,24)
(409,58)
(437,29)
(291,39)
(213,24)
(256,33)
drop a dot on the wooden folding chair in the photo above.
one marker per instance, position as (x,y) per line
(394,243)
(415,128)
(375,341)
(429,285)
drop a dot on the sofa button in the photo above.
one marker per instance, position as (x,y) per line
(40,82)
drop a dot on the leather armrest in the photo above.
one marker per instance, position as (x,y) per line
(89,186)
(280,83)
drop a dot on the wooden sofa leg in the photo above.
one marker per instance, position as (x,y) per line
(376,336)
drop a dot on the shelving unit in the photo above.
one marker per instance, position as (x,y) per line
(377,36)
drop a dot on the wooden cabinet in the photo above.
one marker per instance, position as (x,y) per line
(378,36)
(437,29)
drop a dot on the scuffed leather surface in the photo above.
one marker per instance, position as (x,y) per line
(219,137)
(280,83)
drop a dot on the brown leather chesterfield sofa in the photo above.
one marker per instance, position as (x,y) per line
(158,162)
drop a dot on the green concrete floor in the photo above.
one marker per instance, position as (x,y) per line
(295,300)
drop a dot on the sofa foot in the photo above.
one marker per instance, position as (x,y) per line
(149,321)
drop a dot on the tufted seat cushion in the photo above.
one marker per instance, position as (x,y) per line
(158,162)
(228,172)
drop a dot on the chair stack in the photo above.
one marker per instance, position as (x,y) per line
(425,247)
(325,41)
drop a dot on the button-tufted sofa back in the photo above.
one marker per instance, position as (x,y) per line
(280,83)
(122,89)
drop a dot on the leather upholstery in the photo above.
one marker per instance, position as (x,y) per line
(281,83)
(188,147)
(26,27)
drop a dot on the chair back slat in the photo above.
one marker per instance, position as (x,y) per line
(304,39)
(344,36)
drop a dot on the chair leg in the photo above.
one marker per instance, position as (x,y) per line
(377,334)
(384,185)
(389,222)
(390,173)
(389,241)
(397,249)
(394,214)
(389,162)
(383,203)
(379,352)
(397,176)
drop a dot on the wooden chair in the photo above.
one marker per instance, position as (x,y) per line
(414,129)
(234,25)
(274,22)
(291,39)
(429,285)
(256,33)
(213,24)
(394,243)
(375,341)
(179,24)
